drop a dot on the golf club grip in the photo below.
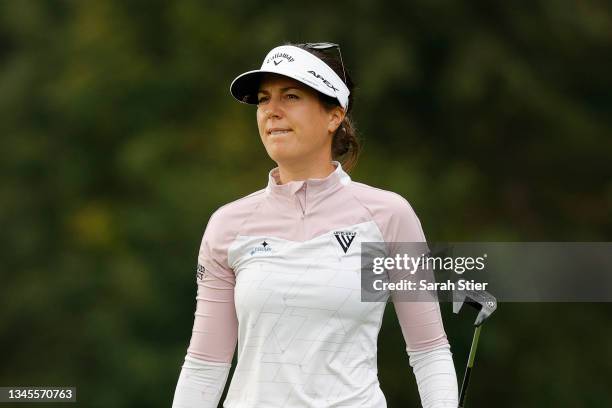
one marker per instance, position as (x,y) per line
(470,364)
(466,380)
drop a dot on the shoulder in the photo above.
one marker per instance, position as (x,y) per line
(239,207)
(392,213)
(222,229)
(378,199)
(228,218)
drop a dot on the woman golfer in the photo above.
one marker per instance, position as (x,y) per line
(279,270)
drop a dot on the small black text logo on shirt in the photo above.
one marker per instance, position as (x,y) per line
(200,272)
(263,247)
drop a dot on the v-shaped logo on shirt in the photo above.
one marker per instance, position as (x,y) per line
(345,239)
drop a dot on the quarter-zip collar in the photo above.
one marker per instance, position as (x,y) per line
(315,187)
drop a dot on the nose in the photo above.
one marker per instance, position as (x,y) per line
(272,108)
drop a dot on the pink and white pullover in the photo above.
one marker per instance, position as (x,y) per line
(279,272)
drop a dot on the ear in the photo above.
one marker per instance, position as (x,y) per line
(336,116)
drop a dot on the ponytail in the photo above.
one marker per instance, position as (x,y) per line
(345,145)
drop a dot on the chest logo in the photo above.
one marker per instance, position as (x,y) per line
(263,247)
(345,239)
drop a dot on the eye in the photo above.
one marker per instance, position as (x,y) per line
(292,96)
(261,99)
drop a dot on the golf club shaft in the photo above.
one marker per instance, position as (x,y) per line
(470,364)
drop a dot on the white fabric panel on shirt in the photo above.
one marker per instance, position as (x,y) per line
(303,322)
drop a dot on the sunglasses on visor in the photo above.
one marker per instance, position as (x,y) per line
(322,46)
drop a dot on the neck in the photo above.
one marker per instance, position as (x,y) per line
(305,170)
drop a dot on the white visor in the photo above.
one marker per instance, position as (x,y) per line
(295,63)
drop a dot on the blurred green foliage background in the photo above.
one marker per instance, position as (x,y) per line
(118,139)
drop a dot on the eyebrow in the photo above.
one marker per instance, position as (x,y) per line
(282,89)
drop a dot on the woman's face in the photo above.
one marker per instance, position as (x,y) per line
(293,123)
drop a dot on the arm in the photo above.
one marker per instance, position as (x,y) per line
(429,353)
(200,384)
(422,327)
(213,340)
(436,379)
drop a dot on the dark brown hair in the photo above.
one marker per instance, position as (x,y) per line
(345,143)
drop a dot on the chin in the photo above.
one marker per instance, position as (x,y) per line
(281,154)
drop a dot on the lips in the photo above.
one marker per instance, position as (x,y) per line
(278,131)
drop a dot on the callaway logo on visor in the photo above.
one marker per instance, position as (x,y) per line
(296,63)
(280,57)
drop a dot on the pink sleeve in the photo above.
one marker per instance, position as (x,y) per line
(421,322)
(215,328)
